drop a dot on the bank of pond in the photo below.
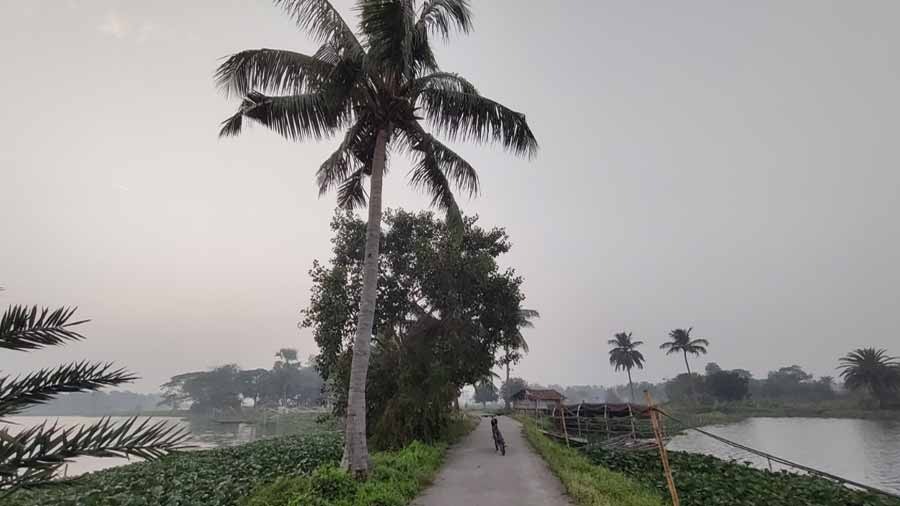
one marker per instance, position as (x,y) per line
(301,469)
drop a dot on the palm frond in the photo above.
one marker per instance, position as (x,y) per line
(34,454)
(447,161)
(426,174)
(443,16)
(351,194)
(231,127)
(439,81)
(528,314)
(296,117)
(355,152)
(270,71)
(520,342)
(466,116)
(389,26)
(322,21)
(38,387)
(23,328)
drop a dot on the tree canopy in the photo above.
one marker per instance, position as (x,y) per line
(871,369)
(445,303)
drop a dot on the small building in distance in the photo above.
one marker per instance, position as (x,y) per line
(536,399)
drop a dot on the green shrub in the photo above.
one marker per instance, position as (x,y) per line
(275,493)
(330,483)
(395,480)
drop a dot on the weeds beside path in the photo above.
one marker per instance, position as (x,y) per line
(587,484)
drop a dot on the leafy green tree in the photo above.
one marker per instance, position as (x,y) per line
(286,357)
(873,370)
(685,387)
(624,355)
(377,85)
(681,342)
(712,368)
(790,382)
(215,390)
(33,454)
(727,385)
(511,387)
(173,394)
(251,384)
(444,303)
(485,392)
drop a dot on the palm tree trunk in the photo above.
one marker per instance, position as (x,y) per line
(630,385)
(506,397)
(690,378)
(356,451)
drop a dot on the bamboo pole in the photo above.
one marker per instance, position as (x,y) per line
(578,417)
(562,418)
(663,453)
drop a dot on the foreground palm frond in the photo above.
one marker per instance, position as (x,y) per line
(23,328)
(34,454)
(38,387)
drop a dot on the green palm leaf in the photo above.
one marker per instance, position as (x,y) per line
(466,116)
(23,328)
(40,386)
(270,71)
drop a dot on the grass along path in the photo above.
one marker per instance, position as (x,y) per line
(588,484)
(475,475)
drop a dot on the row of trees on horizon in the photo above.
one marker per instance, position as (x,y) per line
(288,384)
(866,369)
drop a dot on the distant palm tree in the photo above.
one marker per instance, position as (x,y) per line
(514,341)
(624,355)
(871,369)
(681,342)
(378,84)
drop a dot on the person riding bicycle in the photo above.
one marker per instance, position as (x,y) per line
(499,443)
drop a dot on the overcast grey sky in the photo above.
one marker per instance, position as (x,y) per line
(731,166)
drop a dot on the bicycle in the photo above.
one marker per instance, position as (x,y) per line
(499,443)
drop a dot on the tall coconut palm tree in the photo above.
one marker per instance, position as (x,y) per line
(871,369)
(378,85)
(514,344)
(624,355)
(681,342)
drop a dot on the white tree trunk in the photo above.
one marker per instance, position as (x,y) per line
(356,451)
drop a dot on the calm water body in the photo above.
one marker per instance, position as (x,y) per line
(204,433)
(866,451)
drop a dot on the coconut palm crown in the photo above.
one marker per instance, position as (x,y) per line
(681,342)
(624,355)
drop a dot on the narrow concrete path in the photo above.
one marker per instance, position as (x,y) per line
(474,475)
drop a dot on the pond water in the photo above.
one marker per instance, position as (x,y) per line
(204,433)
(865,451)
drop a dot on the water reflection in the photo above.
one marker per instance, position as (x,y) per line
(204,434)
(866,451)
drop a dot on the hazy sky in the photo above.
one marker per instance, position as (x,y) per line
(723,165)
